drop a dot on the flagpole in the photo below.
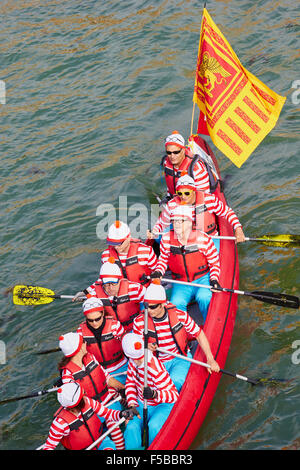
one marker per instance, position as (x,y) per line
(192,122)
(193,112)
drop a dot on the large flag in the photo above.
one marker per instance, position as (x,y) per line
(236,108)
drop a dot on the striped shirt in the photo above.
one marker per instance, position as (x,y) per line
(200,176)
(164,334)
(60,428)
(213,204)
(157,378)
(205,245)
(145,256)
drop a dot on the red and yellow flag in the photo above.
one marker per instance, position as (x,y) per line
(239,109)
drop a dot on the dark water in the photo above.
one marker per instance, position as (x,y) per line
(92,89)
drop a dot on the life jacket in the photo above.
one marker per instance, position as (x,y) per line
(172,174)
(122,309)
(177,329)
(204,220)
(186,262)
(82,432)
(109,353)
(92,378)
(132,271)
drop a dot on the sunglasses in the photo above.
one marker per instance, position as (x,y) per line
(153,307)
(175,152)
(95,319)
(186,193)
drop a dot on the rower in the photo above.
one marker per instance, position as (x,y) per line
(134,258)
(103,336)
(121,298)
(160,393)
(191,256)
(205,209)
(80,366)
(76,423)
(171,329)
(179,159)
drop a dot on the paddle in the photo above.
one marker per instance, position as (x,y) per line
(32,395)
(106,434)
(145,408)
(48,351)
(283,300)
(284,240)
(226,372)
(35,295)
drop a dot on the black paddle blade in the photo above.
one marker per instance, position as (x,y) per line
(48,351)
(283,300)
(269,381)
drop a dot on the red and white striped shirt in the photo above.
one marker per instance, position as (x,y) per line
(200,177)
(164,334)
(205,245)
(213,204)
(157,379)
(60,428)
(145,256)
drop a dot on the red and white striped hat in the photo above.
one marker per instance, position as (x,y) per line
(133,346)
(93,304)
(182,211)
(70,394)
(110,271)
(70,344)
(185,181)
(175,139)
(117,233)
(155,293)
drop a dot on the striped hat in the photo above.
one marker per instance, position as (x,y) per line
(93,304)
(110,271)
(70,394)
(175,139)
(70,344)
(185,181)
(182,211)
(117,233)
(155,293)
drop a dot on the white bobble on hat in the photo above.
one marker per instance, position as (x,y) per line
(175,139)
(133,346)
(155,293)
(117,233)
(185,181)
(110,271)
(70,343)
(70,394)
(93,304)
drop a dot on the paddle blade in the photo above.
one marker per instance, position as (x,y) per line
(282,240)
(32,295)
(283,300)
(270,381)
